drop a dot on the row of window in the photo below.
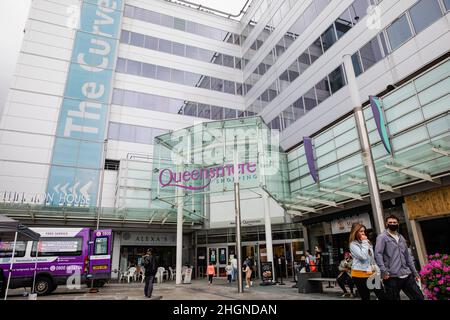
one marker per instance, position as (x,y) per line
(263,6)
(176,106)
(179,49)
(336,31)
(308,16)
(400,31)
(316,95)
(181,24)
(133,133)
(191,79)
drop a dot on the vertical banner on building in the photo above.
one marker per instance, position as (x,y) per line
(309,152)
(78,148)
(378,115)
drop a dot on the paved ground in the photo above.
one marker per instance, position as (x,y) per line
(197,290)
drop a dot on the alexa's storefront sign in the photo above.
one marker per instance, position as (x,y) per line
(148,239)
(200,179)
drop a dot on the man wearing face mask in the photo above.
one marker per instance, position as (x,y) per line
(396,263)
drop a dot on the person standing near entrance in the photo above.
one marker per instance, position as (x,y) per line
(396,263)
(318,256)
(229,271)
(150,271)
(234,264)
(211,272)
(364,265)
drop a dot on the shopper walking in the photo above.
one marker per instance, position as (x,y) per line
(344,278)
(150,269)
(211,272)
(248,274)
(396,263)
(364,265)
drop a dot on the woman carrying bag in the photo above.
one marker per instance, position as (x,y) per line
(364,265)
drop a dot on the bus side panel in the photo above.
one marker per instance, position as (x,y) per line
(100,259)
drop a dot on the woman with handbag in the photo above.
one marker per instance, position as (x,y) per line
(364,266)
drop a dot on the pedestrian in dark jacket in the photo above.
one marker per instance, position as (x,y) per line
(396,263)
(150,271)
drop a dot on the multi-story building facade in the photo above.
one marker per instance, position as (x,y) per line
(97,81)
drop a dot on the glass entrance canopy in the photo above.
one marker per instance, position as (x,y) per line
(202,161)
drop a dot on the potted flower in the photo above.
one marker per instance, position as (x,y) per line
(436,277)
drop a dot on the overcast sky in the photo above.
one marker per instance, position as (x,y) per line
(13,15)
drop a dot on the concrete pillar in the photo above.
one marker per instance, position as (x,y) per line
(115,264)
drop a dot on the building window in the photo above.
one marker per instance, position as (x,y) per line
(399,32)
(371,53)
(424,13)
(337,80)
(328,38)
(447,4)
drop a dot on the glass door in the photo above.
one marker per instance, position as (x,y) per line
(218,256)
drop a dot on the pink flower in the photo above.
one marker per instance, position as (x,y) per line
(436,289)
(448,289)
(437,255)
(441,282)
(438,276)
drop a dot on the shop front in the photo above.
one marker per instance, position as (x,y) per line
(331,232)
(133,245)
(429,215)
(219,247)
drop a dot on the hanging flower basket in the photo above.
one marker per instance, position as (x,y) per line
(436,277)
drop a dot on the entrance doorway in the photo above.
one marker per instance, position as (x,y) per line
(218,256)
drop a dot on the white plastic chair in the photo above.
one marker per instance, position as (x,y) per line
(131,274)
(171,274)
(160,274)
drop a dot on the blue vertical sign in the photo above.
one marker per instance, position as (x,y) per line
(77,153)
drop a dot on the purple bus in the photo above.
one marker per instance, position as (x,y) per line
(62,254)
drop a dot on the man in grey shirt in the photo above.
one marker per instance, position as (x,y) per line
(396,263)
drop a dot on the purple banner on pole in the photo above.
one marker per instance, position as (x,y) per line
(309,151)
(377,111)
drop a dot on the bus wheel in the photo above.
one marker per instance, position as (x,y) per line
(43,286)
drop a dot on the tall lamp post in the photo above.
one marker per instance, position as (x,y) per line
(237,206)
(369,166)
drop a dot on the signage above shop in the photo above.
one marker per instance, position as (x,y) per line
(344,225)
(148,239)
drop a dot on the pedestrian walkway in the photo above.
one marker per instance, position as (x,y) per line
(197,290)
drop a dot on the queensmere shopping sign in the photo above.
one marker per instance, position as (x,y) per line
(200,179)
(78,148)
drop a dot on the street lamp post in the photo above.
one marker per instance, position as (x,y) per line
(375,200)
(237,203)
